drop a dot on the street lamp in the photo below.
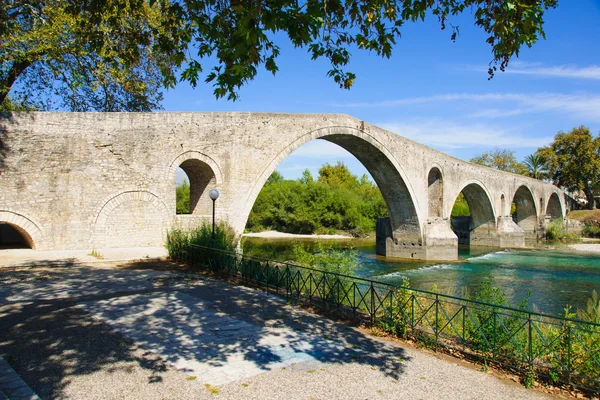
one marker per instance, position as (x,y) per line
(214,195)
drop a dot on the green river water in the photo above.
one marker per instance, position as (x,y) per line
(554,278)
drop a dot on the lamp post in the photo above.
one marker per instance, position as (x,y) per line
(214,195)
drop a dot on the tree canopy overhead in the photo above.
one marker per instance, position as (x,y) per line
(84,56)
(116,54)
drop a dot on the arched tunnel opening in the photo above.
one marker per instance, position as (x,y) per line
(554,208)
(396,226)
(472,217)
(523,211)
(194,178)
(14,237)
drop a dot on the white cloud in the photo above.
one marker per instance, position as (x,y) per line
(578,105)
(321,149)
(559,71)
(449,135)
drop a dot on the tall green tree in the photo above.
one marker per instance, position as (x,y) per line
(502,159)
(115,51)
(536,166)
(573,160)
(337,175)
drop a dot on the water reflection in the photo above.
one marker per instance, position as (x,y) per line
(555,278)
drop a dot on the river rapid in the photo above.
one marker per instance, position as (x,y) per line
(553,278)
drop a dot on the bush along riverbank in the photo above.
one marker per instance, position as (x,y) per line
(337,201)
(562,350)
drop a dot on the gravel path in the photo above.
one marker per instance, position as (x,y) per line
(142,332)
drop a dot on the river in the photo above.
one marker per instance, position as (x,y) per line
(554,278)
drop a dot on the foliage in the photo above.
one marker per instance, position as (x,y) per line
(336,201)
(590,219)
(325,257)
(179,240)
(337,176)
(275,177)
(182,195)
(536,166)
(461,207)
(88,56)
(556,231)
(9,105)
(502,159)
(591,313)
(110,49)
(573,161)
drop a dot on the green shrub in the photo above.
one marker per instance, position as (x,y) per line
(592,229)
(336,201)
(180,240)
(556,231)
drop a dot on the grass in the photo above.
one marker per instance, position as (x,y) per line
(212,389)
(96,254)
(582,215)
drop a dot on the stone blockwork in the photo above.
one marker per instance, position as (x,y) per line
(94,180)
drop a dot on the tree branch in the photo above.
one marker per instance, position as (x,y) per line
(7,82)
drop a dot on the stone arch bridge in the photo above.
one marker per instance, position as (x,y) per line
(97,180)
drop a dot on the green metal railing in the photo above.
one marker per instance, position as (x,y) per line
(536,345)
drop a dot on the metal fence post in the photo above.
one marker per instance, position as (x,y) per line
(530,343)
(437,321)
(372,303)
(569,354)
(494,339)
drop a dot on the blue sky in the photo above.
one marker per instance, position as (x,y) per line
(436,91)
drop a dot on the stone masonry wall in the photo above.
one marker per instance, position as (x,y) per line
(91,180)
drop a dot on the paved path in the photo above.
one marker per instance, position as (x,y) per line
(26,257)
(104,332)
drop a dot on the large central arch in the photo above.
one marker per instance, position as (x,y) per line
(383,167)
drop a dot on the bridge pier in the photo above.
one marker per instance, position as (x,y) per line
(439,243)
(509,233)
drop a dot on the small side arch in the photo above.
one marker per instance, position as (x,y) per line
(480,227)
(134,218)
(193,155)
(554,209)
(526,215)
(29,230)
(479,199)
(203,173)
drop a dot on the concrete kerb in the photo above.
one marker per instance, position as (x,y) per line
(12,387)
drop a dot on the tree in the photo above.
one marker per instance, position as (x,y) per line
(182,196)
(306,177)
(275,177)
(502,159)
(337,175)
(87,46)
(536,166)
(573,161)
(83,56)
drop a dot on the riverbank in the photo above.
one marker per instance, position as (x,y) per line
(282,235)
(586,247)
